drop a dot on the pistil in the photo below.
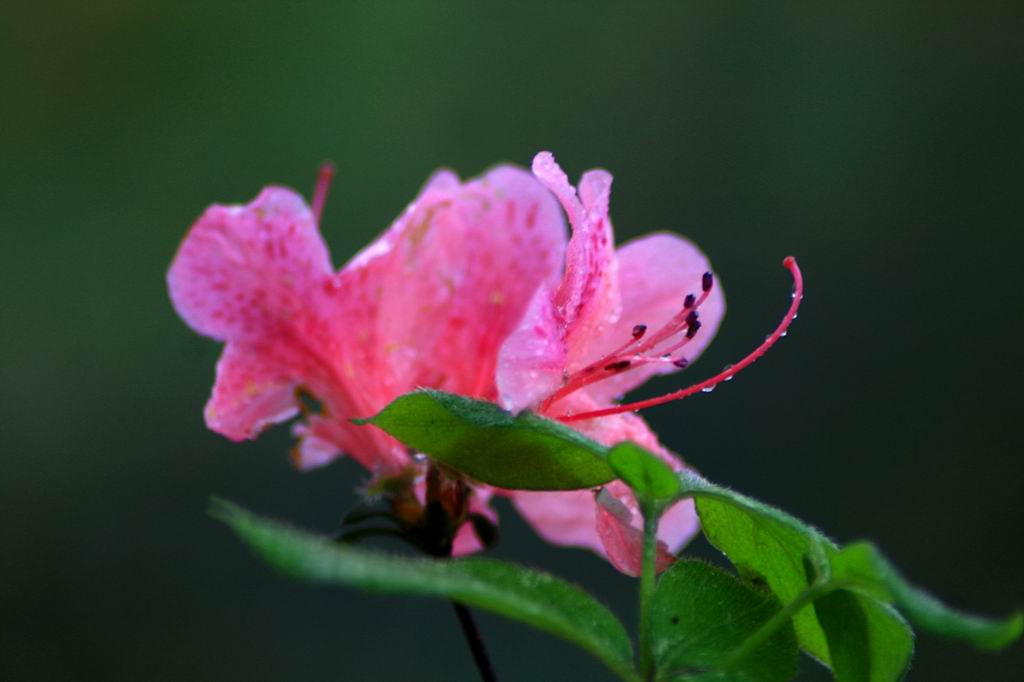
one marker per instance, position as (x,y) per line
(727,374)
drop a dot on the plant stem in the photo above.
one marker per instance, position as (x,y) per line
(764,632)
(475,642)
(647,585)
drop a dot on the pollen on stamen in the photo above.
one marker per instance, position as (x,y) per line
(727,373)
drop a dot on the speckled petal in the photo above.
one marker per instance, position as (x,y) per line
(242,269)
(588,296)
(253,390)
(656,273)
(532,359)
(454,275)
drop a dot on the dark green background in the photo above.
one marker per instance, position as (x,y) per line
(880,143)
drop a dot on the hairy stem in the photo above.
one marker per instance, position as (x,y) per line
(647,585)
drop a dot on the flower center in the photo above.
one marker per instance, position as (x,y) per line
(642,349)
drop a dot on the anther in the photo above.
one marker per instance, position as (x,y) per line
(681,363)
(689,301)
(726,374)
(639,330)
(692,329)
(706,281)
(691,319)
(618,366)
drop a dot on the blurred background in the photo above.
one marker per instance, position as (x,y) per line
(881,143)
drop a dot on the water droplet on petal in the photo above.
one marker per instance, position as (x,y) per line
(707,389)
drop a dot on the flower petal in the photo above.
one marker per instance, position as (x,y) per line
(655,275)
(532,359)
(621,533)
(252,391)
(588,297)
(454,275)
(678,525)
(562,518)
(241,269)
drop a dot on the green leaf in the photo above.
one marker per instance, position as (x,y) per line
(716,676)
(868,641)
(650,478)
(537,599)
(848,622)
(701,614)
(861,566)
(767,546)
(524,452)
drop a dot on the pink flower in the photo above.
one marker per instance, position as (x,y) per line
(427,304)
(465,292)
(616,318)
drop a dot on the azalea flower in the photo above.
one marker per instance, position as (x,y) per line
(616,318)
(426,304)
(466,292)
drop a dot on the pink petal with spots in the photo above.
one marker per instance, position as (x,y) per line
(551,175)
(452,278)
(253,390)
(655,275)
(588,297)
(250,275)
(242,269)
(427,304)
(532,359)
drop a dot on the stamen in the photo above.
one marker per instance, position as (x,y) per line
(677,323)
(323,184)
(725,375)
